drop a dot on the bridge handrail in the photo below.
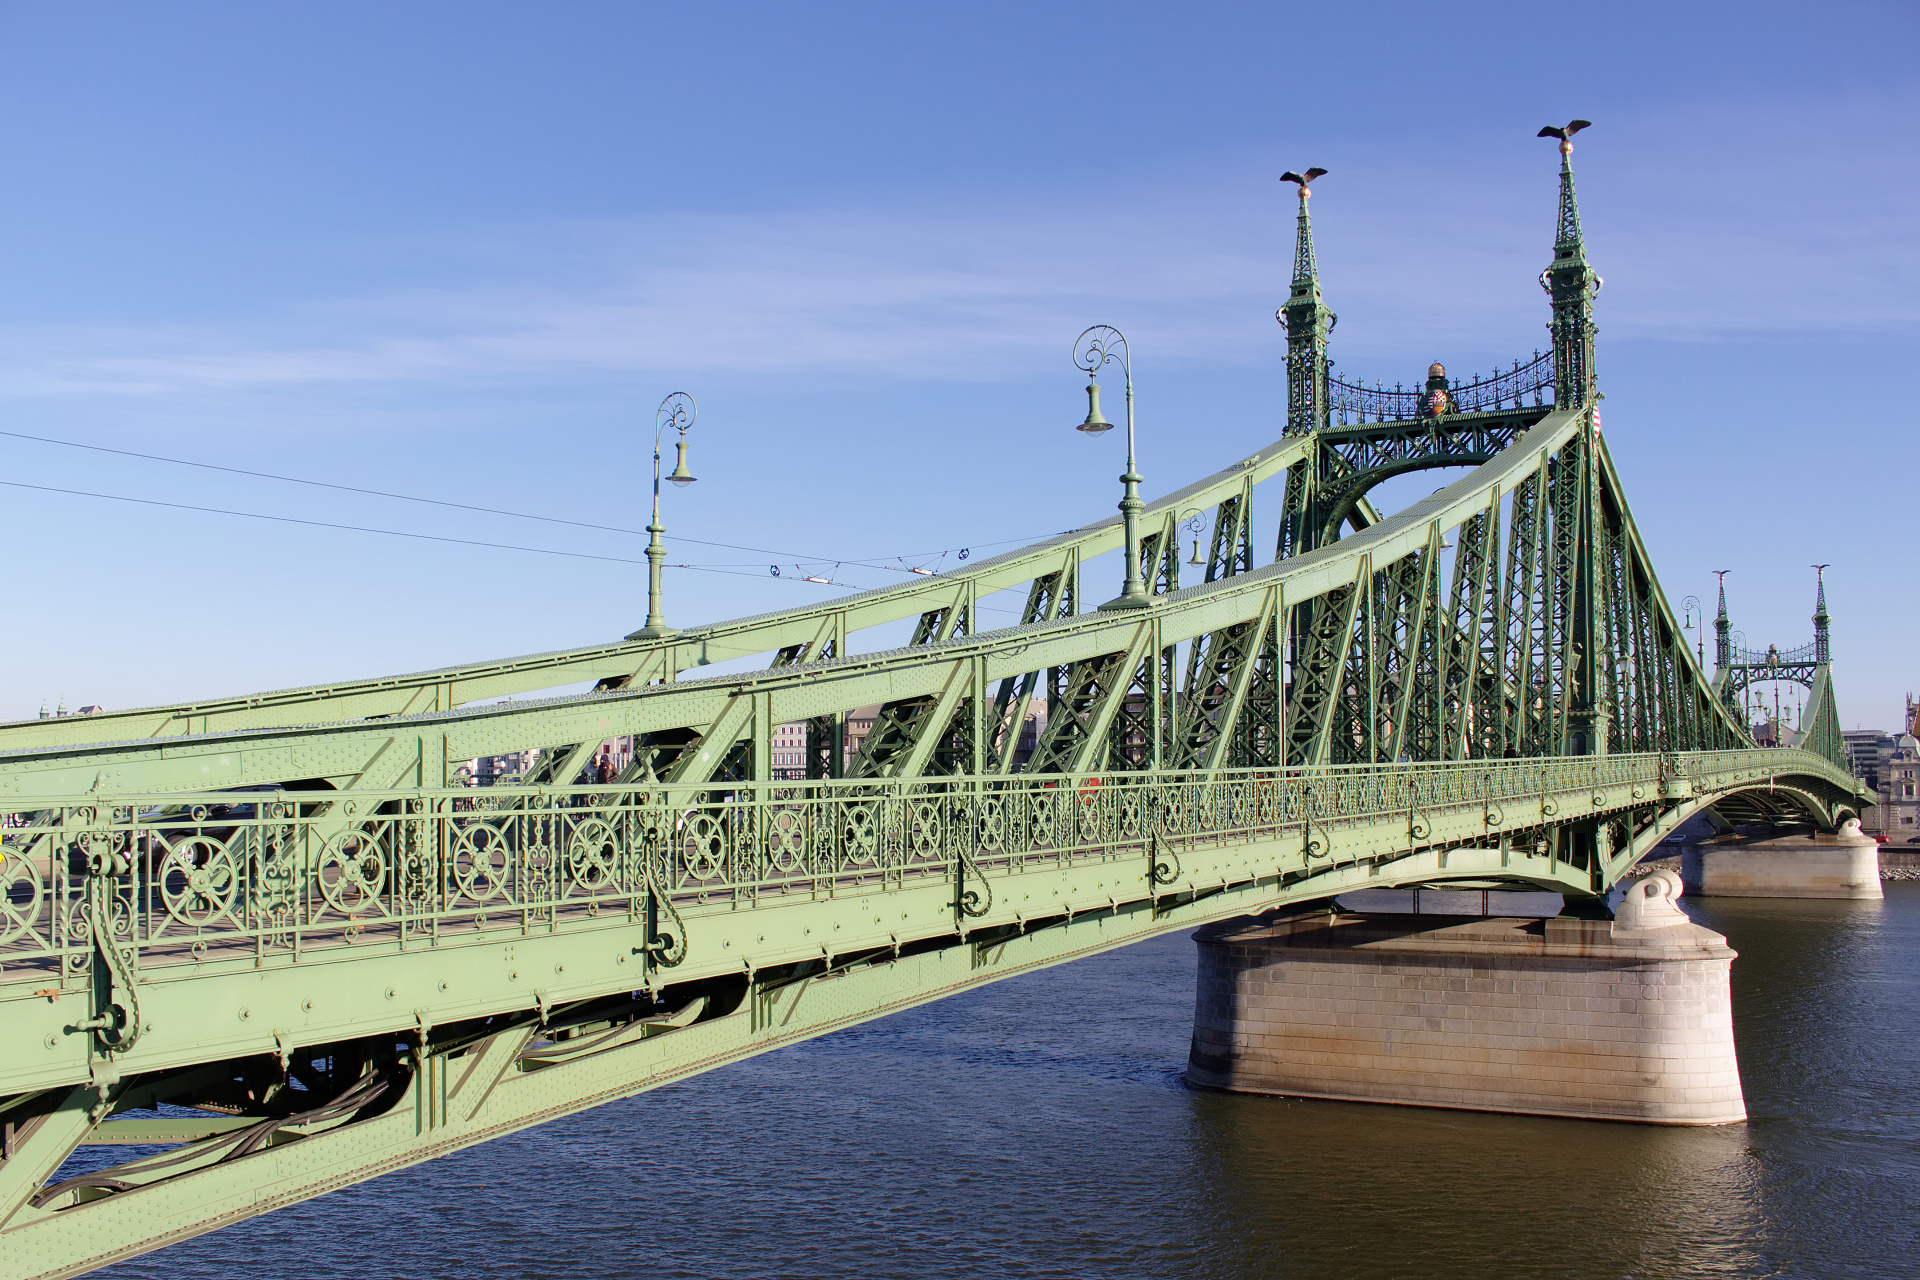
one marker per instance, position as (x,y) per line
(1806,653)
(1496,391)
(252,878)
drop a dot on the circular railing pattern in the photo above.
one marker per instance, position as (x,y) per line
(353,871)
(204,876)
(199,880)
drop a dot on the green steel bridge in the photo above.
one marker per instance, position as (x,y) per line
(273,945)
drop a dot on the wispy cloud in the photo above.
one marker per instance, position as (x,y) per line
(1691,250)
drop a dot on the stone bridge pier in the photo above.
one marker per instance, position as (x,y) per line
(1845,864)
(1623,1019)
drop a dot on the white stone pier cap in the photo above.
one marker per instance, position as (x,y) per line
(1651,903)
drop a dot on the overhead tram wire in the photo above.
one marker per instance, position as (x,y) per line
(318,524)
(875,563)
(391,533)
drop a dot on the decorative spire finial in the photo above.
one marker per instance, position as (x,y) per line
(1571,284)
(1308,322)
(1567,242)
(1723,627)
(1306,272)
(1822,624)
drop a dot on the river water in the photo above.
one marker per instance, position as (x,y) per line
(1039,1128)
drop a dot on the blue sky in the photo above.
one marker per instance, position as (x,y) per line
(462,250)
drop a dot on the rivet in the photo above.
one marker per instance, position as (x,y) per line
(245,1014)
(390,993)
(51,1041)
(513,975)
(443,984)
(559,968)
(306,1006)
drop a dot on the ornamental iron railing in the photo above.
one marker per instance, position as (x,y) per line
(279,877)
(1526,385)
(1775,657)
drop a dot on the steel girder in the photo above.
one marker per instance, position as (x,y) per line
(1376,665)
(1354,459)
(455,972)
(791,636)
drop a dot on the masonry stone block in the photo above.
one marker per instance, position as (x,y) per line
(1636,1023)
(1845,864)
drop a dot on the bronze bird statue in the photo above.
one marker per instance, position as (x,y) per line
(1565,135)
(1311,174)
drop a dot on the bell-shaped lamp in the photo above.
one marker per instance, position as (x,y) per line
(681,476)
(1094,424)
(1196,552)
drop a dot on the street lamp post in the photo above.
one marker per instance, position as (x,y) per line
(677,410)
(1696,622)
(1091,352)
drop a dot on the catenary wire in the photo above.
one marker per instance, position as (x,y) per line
(391,533)
(458,506)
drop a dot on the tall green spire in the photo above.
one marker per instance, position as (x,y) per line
(1723,628)
(1822,623)
(1571,284)
(1309,323)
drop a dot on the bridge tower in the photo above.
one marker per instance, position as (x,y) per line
(1741,671)
(1723,629)
(1572,285)
(1309,323)
(1822,624)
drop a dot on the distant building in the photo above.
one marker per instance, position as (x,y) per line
(1867,751)
(1030,730)
(1900,792)
(492,771)
(860,722)
(790,750)
(1890,764)
(790,740)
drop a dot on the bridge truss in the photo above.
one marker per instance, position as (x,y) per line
(268,947)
